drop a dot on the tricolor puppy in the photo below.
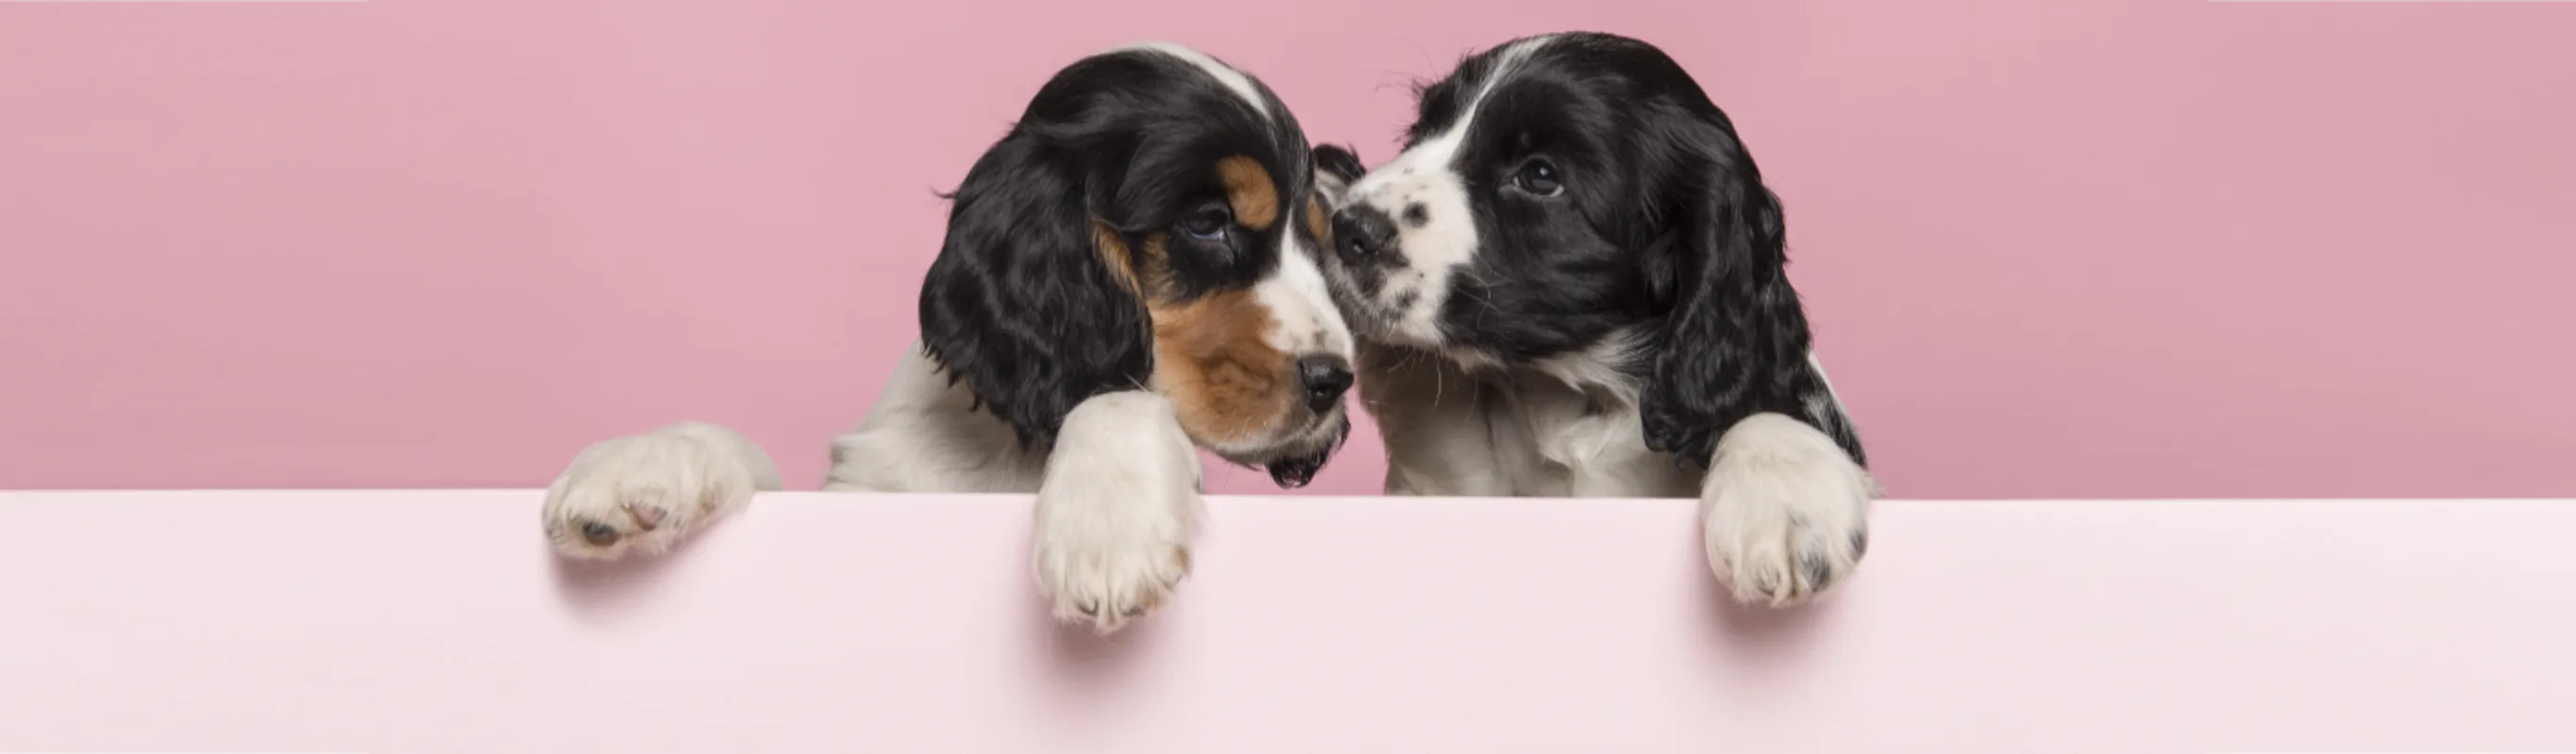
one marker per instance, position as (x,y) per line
(1570,284)
(1130,274)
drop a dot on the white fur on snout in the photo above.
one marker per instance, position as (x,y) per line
(1308,323)
(1434,253)
(1426,256)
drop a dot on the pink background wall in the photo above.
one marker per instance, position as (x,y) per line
(2122,248)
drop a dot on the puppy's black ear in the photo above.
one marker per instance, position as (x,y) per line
(1736,340)
(1338,162)
(1336,168)
(1020,305)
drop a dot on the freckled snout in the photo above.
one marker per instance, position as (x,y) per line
(1362,232)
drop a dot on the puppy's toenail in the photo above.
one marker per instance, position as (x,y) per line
(1135,611)
(1090,609)
(646,515)
(1819,571)
(598,534)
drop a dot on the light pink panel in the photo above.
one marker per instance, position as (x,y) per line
(2117,248)
(413,622)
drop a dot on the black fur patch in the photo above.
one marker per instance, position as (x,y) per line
(1340,161)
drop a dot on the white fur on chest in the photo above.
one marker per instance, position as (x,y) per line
(924,435)
(1523,433)
(1564,443)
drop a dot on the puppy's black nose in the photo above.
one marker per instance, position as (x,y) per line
(1325,378)
(1361,231)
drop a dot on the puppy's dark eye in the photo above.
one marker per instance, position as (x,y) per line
(1538,177)
(1207,224)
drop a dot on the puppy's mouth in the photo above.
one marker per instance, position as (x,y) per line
(1294,461)
(1296,468)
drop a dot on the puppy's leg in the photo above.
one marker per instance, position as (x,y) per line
(642,493)
(1784,511)
(1116,510)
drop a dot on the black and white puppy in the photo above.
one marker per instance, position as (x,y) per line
(1131,273)
(1570,283)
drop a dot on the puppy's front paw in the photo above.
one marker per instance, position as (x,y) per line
(643,493)
(1107,570)
(1115,513)
(1785,513)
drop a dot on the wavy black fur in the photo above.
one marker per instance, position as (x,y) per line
(1664,227)
(1019,305)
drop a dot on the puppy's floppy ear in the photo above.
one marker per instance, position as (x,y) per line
(1020,305)
(1336,168)
(1735,342)
(1340,162)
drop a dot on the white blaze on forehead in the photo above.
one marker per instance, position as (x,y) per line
(1427,175)
(1504,63)
(1224,74)
(1295,294)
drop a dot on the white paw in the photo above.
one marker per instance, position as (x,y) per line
(641,494)
(1785,513)
(1104,571)
(1115,513)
